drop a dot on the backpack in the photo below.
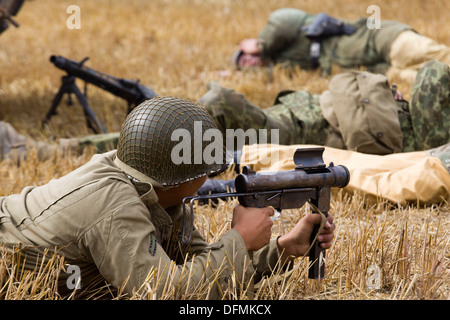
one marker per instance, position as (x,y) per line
(362,113)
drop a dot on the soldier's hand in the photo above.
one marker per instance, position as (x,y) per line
(295,243)
(254,225)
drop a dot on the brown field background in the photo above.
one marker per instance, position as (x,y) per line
(176,47)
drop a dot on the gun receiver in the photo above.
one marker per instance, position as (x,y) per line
(310,181)
(132,91)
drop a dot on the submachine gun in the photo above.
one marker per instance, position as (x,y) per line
(311,181)
(132,91)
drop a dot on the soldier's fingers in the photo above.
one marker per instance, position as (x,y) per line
(271,212)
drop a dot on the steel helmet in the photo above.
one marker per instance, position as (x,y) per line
(149,147)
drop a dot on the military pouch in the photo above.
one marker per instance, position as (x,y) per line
(361,107)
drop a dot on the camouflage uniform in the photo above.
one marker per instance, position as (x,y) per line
(424,122)
(430,106)
(232,110)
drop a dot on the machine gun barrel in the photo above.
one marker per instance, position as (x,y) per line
(131,91)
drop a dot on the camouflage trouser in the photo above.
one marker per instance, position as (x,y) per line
(231,110)
(430,106)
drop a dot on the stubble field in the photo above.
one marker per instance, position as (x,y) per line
(176,47)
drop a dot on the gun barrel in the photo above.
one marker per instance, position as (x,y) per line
(119,87)
(332,176)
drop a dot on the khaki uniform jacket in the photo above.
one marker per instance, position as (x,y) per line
(102,224)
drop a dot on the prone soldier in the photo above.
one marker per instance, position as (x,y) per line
(119,217)
(293,37)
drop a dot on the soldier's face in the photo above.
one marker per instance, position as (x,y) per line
(174,196)
(250,60)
